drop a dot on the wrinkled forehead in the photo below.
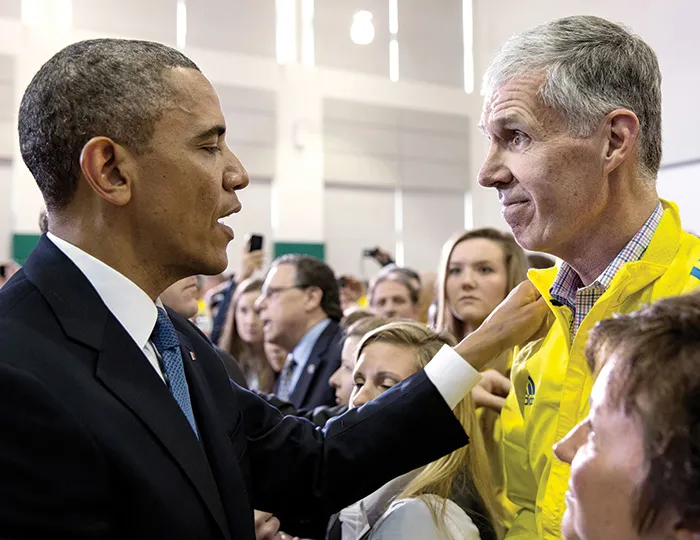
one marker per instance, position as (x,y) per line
(517,95)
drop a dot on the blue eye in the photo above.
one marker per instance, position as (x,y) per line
(454,270)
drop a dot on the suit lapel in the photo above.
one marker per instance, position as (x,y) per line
(121,365)
(215,440)
(122,368)
(313,365)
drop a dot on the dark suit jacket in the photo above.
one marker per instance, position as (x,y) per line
(318,415)
(313,389)
(94,446)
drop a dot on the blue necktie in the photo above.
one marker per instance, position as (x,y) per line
(164,337)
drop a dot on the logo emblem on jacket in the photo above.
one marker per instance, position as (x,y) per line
(530,393)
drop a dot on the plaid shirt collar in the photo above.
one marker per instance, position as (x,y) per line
(568,288)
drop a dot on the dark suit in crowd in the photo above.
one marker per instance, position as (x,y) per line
(95,447)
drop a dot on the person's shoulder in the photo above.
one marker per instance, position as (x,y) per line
(411,518)
(18,294)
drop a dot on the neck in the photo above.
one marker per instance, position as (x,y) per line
(109,247)
(591,250)
(304,329)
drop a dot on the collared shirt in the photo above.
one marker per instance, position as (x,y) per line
(357,519)
(302,352)
(568,288)
(129,304)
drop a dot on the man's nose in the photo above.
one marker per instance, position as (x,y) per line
(235,175)
(566,449)
(494,172)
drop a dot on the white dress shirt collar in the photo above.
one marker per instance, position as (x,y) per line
(131,306)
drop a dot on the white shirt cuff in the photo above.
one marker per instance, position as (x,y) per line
(452,375)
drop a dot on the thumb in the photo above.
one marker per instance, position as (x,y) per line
(501,385)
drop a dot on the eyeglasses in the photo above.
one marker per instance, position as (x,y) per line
(272,291)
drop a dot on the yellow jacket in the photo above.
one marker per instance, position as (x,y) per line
(552,382)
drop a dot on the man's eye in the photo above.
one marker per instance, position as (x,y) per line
(518,138)
(212,149)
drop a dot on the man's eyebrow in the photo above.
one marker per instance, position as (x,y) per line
(217,130)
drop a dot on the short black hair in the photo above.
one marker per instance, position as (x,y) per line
(114,88)
(313,272)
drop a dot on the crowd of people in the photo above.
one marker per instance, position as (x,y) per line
(501,396)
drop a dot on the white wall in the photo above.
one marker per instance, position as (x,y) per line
(378,145)
(231,40)
(682,186)
(5,210)
(429,219)
(357,218)
(255,218)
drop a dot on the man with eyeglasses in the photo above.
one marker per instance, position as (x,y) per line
(300,308)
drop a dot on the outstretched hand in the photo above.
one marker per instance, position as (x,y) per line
(522,316)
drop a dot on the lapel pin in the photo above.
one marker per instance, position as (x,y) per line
(310,369)
(193,356)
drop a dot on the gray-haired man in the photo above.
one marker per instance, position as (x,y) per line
(572,110)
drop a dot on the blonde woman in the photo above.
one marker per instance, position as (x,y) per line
(451,498)
(242,337)
(478,269)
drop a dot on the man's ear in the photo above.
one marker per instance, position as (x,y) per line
(108,169)
(622,132)
(314,297)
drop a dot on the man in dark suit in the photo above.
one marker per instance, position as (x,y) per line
(300,308)
(118,419)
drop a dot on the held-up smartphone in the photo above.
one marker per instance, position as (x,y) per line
(256,242)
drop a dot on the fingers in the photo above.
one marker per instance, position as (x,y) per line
(524,293)
(495,382)
(542,310)
(483,398)
(257,258)
(266,526)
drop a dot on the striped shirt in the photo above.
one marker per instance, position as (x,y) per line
(568,289)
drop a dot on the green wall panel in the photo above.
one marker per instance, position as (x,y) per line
(313,249)
(22,246)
